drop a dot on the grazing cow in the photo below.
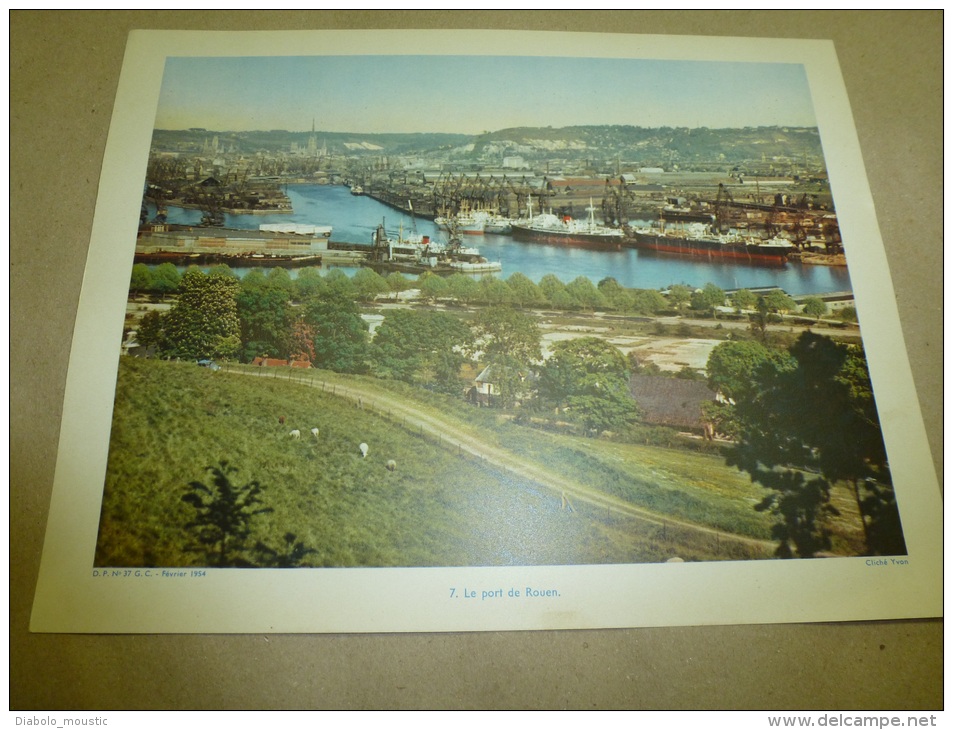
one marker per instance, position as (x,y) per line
(315,432)
(363,448)
(295,435)
(281,420)
(391,465)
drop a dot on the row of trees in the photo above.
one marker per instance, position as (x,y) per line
(367,285)
(516,290)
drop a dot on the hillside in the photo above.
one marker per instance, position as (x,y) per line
(440,506)
(630,143)
(270,141)
(657,144)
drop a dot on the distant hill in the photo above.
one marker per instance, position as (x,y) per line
(655,144)
(196,140)
(660,146)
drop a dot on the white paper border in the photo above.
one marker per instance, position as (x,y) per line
(70,598)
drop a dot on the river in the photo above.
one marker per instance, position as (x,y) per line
(355,218)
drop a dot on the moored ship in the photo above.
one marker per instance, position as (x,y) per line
(464,222)
(685,214)
(414,253)
(565,230)
(698,239)
(496,223)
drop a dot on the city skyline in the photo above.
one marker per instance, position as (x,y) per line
(474,94)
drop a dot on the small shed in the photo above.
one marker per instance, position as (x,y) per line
(674,402)
(486,388)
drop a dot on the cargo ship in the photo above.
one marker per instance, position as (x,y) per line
(565,230)
(465,222)
(698,239)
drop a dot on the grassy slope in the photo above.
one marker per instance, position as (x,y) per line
(437,508)
(696,486)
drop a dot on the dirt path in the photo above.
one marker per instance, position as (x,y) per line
(453,437)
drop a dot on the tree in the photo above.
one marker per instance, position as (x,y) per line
(255,279)
(165,279)
(815,307)
(589,378)
(223,270)
(369,284)
(510,342)
(397,282)
(141,279)
(503,330)
(563,300)
(733,366)
(551,287)
(265,314)
(744,299)
(425,348)
(203,323)
(615,296)
(493,291)
(339,284)
(777,301)
(462,288)
(679,296)
(279,278)
(340,335)
(432,286)
(760,318)
(523,291)
(301,342)
(223,513)
(806,421)
(584,293)
(648,301)
(151,332)
(731,369)
(848,314)
(308,284)
(708,299)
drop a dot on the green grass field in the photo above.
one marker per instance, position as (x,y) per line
(439,507)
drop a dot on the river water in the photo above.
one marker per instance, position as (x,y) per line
(355,218)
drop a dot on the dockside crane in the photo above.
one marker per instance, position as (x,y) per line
(502,197)
(522,193)
(615,204)
(723,203)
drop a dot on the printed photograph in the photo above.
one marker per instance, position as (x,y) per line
(421,311)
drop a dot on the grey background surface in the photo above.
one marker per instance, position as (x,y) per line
(64,68)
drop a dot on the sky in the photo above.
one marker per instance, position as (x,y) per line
(473,94)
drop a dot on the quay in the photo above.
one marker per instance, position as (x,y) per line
(406,205)
(184,245)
